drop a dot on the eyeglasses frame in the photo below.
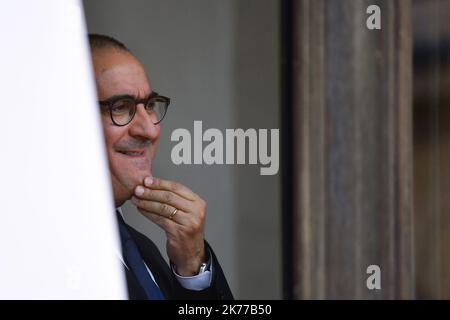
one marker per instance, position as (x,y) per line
(110,102)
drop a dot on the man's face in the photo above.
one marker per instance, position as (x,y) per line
(130,148)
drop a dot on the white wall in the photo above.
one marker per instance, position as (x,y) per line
(219,62)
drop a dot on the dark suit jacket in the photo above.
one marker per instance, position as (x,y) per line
(167,282)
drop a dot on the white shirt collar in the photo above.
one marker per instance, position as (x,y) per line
(120,211)
(119,252)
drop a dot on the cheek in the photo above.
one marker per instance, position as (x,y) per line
(111,136)
(155,144)
(110,133)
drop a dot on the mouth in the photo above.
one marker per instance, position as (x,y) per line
(132,153)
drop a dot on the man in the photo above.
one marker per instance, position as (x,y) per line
(131,115)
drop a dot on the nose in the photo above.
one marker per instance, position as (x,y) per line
(142,126)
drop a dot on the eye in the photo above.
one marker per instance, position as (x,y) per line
(150,105)
(122,106)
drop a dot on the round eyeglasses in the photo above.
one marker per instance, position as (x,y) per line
(122,109)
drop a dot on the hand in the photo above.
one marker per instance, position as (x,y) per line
(157,200)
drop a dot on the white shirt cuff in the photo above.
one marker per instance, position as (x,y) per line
(198,282)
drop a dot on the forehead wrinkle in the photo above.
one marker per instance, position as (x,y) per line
(124,79)
(120,73)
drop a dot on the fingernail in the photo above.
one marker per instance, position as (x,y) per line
(148,181)
(139,190)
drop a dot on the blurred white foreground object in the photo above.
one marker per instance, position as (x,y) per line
(58,234)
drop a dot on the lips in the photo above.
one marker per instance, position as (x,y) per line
(132,153)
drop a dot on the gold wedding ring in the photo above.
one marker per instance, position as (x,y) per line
(173,214)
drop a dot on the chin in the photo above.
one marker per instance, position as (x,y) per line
(123,187)
(138,175)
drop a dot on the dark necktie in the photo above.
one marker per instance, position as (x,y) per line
(134,260)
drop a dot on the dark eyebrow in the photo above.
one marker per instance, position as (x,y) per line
(118,97)
(127,96)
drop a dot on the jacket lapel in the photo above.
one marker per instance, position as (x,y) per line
(154,260)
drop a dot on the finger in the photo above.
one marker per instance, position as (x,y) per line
(167,225)
(176,187)
(161,209)
(164,196)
